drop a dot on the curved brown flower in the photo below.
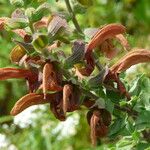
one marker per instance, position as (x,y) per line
(27,101)
(8,73)
(130,59)
(107,32)
(67,92)
(56,107)
(104,34)
(50,82)
(99,122)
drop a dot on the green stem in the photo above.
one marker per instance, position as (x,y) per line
(72,14)
(97,63)
(31,27)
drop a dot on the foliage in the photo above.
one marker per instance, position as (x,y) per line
(129,127)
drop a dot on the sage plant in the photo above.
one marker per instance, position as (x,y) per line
(68,82)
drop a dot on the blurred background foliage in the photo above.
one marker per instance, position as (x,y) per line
(36,128)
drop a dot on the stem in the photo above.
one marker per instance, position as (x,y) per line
(72,14)
(97,63)
(126,109)
(31,27)
(131,112)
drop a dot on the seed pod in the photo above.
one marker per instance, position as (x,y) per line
(17,53)
(108,49)
(40,42)
(77,55)
(93,123)
(123,41)
(7,73)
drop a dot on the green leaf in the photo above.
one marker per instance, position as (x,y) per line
(143,120)
(114,96)
(39,13)
(98,79)
(5,119)
(109,105)
(17,2)
(116,127)
(16,23)
(141,83)
(77,54)
(40,42)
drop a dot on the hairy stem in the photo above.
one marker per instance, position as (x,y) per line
(72,14)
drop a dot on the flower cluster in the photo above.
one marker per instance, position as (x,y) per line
(54,77)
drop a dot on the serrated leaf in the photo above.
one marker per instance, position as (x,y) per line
(143,119)
(116,127)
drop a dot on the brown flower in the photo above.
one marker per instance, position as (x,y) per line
(30,100)
(50,82)
(30,76)
(99,120)
(103,38)
(131,58)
